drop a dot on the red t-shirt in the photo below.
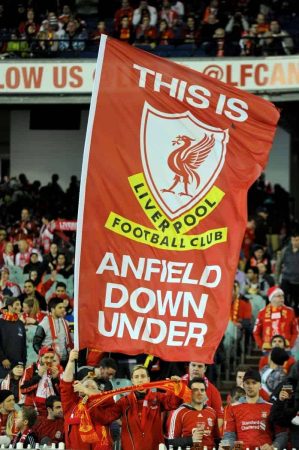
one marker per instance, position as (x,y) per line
(185,418)
(54,429)
(249,421)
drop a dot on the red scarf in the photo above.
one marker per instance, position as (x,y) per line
(234,312)
(86,428)
(10,317)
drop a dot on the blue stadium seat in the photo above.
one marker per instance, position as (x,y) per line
(164,50)
(184,50)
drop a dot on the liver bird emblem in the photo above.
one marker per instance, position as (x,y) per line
(186,159)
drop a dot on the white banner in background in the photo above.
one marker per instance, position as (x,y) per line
(76,77)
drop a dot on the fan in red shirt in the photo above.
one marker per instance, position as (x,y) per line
(74,395)
(248,420)
(194,423)
(275,318)
(197,369)
(241,309)
(52,426)
(277,341)
(124,10)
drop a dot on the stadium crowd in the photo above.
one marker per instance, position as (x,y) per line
(45,383)
(215,28)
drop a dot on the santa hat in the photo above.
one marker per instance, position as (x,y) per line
(274,290)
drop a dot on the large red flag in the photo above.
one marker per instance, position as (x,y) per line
(169,156)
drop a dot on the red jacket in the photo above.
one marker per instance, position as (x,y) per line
(271,321)
(70,400)
(134,434)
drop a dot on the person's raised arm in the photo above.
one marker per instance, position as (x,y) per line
(68,374)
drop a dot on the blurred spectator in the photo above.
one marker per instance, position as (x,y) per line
(45,233)
(284,411)
(165,35)
(145,9)
(12,337)
(13,380)
(261,25)
(32,316)
(34,263)
(241,310)
(60,33)
(66,14)
(30,22)
(258,255)
(145,33)
(276,318)
(250,43)
(252,285)
(277,341)
(249,237)
(266,280)
(62,267)
(125,31)
(8,414)
(211,10)
(74,39)
(178,7)
(50,259)
(276,41)
(9,255)
(29,291)
(207,30)
(272,374)
(101,29)
(236,26)
(221,47)
(124,10)
(25,228)
(288,268)
(168,13)
(190,31)
(102,375)
(261,226)
(3,242)
(7,287)
(239,322)
(23,256)
(25,420)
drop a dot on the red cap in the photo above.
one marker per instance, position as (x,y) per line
(274,290)
(45,350)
